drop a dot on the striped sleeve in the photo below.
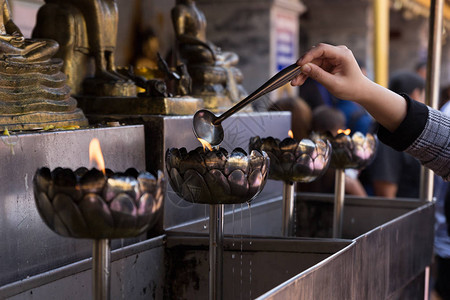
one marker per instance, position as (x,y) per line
(424,134)
(432,147)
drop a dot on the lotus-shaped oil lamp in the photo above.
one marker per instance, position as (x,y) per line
(89,204)
(216,177)
(349,152)
(98,205)
(293,161)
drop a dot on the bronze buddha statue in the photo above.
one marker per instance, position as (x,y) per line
(214,75)
(14,46)
(33,90)
(85,29)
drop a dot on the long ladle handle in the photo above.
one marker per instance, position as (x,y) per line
(278,80)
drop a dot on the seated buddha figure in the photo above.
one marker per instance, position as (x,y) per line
(13,45)
(85,29)
(214,76)
(33,90)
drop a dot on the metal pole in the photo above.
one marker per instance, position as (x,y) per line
(381,41)
(288,208)
(431,97)
(339,193)
(216,251)
(432,82)
(101,269)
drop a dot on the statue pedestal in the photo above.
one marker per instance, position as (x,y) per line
(35,95)
(134,106)
(264,34)
(99,88)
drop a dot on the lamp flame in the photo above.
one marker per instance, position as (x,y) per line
(205,144)
(291,134)
(95,155)
(346,131)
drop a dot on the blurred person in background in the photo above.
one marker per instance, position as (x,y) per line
(421,69)
(330,119)
(300,115)
(394,173)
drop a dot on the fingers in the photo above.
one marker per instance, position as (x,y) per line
(313,71)
(318,74)
(322,62)
(299,80)
(320,52)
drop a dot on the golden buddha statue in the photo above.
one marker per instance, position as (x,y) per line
(214,77)
(84,29)
(147,48)
(14,46)
(33,90)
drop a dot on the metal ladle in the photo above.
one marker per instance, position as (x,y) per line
(209,127)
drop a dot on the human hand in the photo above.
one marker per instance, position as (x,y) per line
(335,68)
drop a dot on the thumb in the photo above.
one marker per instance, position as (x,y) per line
(318,74)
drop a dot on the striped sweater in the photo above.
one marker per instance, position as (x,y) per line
(424,134)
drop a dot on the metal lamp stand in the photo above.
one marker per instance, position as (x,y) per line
(216,212)
(288,208)
(101,269)
(339,193)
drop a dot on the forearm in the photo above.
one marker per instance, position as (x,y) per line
(385,106)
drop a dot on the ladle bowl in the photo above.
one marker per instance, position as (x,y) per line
(205,128)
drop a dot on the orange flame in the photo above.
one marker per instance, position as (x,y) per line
(291,134)
(205,144)
(346,131)
(95,155)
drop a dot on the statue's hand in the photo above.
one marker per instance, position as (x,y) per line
(17,39)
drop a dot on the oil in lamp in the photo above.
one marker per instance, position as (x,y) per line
(215,177)
(98,205)
(293,161)
(349,152)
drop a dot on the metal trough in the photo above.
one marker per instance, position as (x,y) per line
(252,266)
(360,215)
(392,243)
(386,262)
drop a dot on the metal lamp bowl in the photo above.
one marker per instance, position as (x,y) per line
(351,152)
(293,161)
(216,177)
(88,204)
